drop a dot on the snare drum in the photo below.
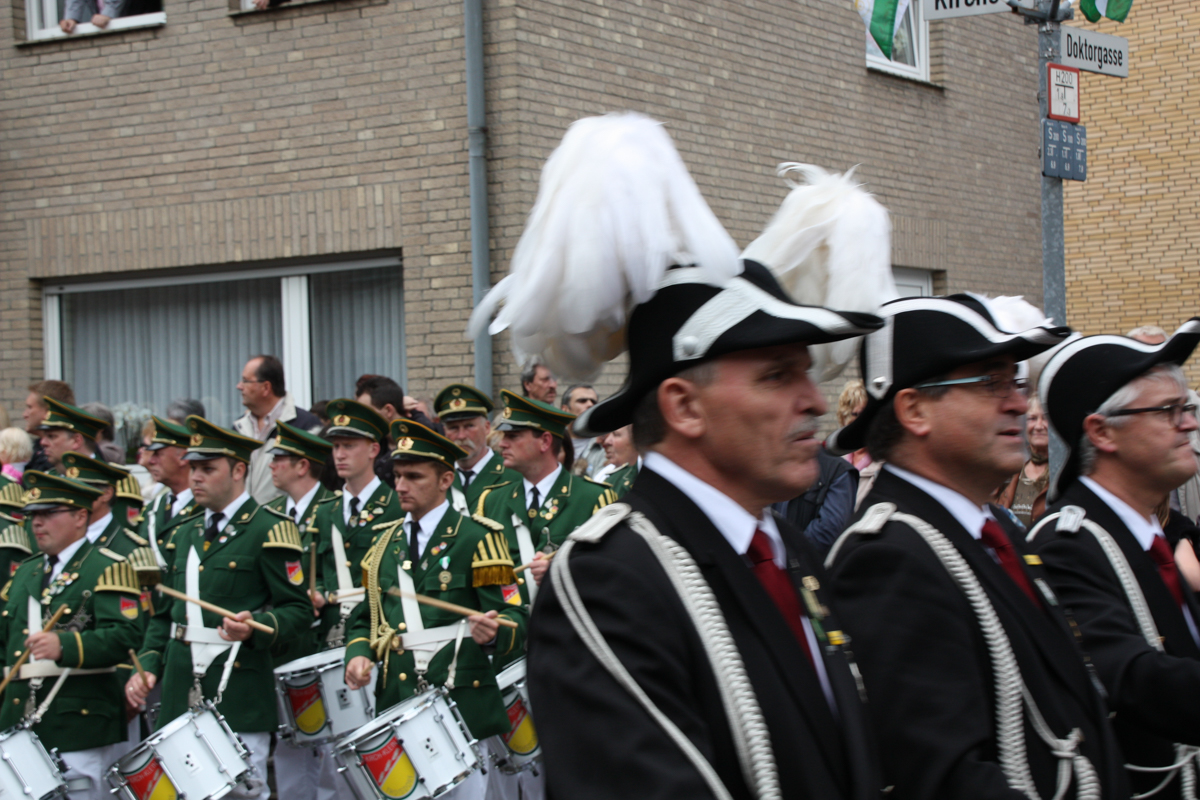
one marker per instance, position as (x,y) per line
(196,755)
(315,705)
(416,749)
(518,749)
(28,770)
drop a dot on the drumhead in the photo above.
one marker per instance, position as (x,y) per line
(315,661)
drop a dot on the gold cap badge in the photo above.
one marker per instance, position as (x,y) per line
(34,493)
(341,420)
(404,444)
(197,439)
(73,472)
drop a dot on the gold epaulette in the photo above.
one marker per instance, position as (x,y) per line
(492,564)
(487,522)
(277,512)
(598,483)
(13,493)
(609,496)
(378,526)
(4,591)
(130,488)
(136,539)
(285,534)
(145,564)
(119,577)
(15,538)
(104,551)
(483,496)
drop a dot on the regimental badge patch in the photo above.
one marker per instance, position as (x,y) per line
(512,594)
(129,607)
(12,568)
(295,572)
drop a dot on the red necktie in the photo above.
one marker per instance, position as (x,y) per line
(995,538)
(778,586)
(1160,551)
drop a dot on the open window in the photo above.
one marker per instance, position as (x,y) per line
(910,47)
(44,18)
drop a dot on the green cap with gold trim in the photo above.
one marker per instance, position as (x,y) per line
(210,441)
(72,418)
(12,496)
(79,467)
(292,441)
(47,491)
(350,418)
(459,401)
(525,412)
(168,434)
(415,442)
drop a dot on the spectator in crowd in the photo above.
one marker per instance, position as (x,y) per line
(16,448)
(387,397)
(589,452)
(106,439)
(265,396)
(825,509)
(318,409)
(538,382)
(97,12)
(182,408)
(36,411)
(851,402)
(1025,494)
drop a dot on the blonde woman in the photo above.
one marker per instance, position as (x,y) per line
(16,448)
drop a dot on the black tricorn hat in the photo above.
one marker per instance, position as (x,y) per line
(688,322)
(1086,372)
(925,337)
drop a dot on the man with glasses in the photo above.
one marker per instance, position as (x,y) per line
(1122,408)
(974,681)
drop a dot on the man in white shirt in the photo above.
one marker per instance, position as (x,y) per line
(1122,407)
(946,610)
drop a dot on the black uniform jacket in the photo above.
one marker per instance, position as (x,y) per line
(926,666)
(600,743)
(1153,694)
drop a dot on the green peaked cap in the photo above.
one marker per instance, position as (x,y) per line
(525,412)
(48,491)
(210,441)
(352,418)
(460,401)
(79,467)
(415,442)
(72,418)
(168,434)
(292,441)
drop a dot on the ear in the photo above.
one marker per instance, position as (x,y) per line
(1098,431)
(108,495)
(389,412)
(240,465)
(445,479)
(679,402)
(374,450)
(545,442)
(914,411)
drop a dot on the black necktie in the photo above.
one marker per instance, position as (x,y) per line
(414,543)
(353,510)
(49,570)
(467,474)
(534,503)
(214,526)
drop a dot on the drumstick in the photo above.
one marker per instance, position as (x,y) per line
(336,596)
(138,664)
(207,606)
(312,569)
(49,626)
(442,604)
(524,567)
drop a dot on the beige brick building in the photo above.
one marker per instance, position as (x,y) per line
(1132,232)
(223,180)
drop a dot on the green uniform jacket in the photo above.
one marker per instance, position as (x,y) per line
(254,565)
(306,643)
(376,626)
(157,519)
(381,508)
(103,624)
(494,473)
(621,480)
(16,545)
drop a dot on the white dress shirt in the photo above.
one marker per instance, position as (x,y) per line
(181,500)
(428,524)
(362,496)
(96,528)
(303,503)
(479,466)
(543,486)
(965,512)
(229,511)
(738,526)
(65,556)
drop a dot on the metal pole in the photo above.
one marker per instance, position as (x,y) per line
(481,277)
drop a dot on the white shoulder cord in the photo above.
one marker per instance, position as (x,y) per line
(747,726)
(1071,518)
(1011,694)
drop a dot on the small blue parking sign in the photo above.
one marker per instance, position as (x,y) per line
(1064,150)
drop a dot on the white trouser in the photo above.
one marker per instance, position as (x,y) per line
(522,786)
(297,770)
(331,785)
(259,745)
(473,788)
(91,764)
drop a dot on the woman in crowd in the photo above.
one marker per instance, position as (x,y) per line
(1025,494)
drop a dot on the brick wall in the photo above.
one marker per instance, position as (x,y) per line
(331,130)
(1132,241)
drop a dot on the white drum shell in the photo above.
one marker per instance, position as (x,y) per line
(434,737)
(511,681)
(198,753)
(346,709)
(28,770)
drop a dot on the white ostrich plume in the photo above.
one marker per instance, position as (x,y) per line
(1014,314)
(829,244)
(615,208)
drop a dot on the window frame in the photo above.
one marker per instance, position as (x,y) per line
(921,45)
(54,33)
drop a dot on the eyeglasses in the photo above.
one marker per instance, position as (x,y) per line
(997,385)
(1174,412)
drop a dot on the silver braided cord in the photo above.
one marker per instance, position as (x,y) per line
(1186,756)
(748,728)
(1012,697)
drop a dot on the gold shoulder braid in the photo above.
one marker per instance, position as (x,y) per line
(138,540)
(4,591)
(492,564)
(284,534)
(119,577)
(483,497)
(487,522)
(14,536)
(381,633)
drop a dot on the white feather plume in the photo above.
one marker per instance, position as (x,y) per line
(615,208)
(829,244)
(1014,314)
